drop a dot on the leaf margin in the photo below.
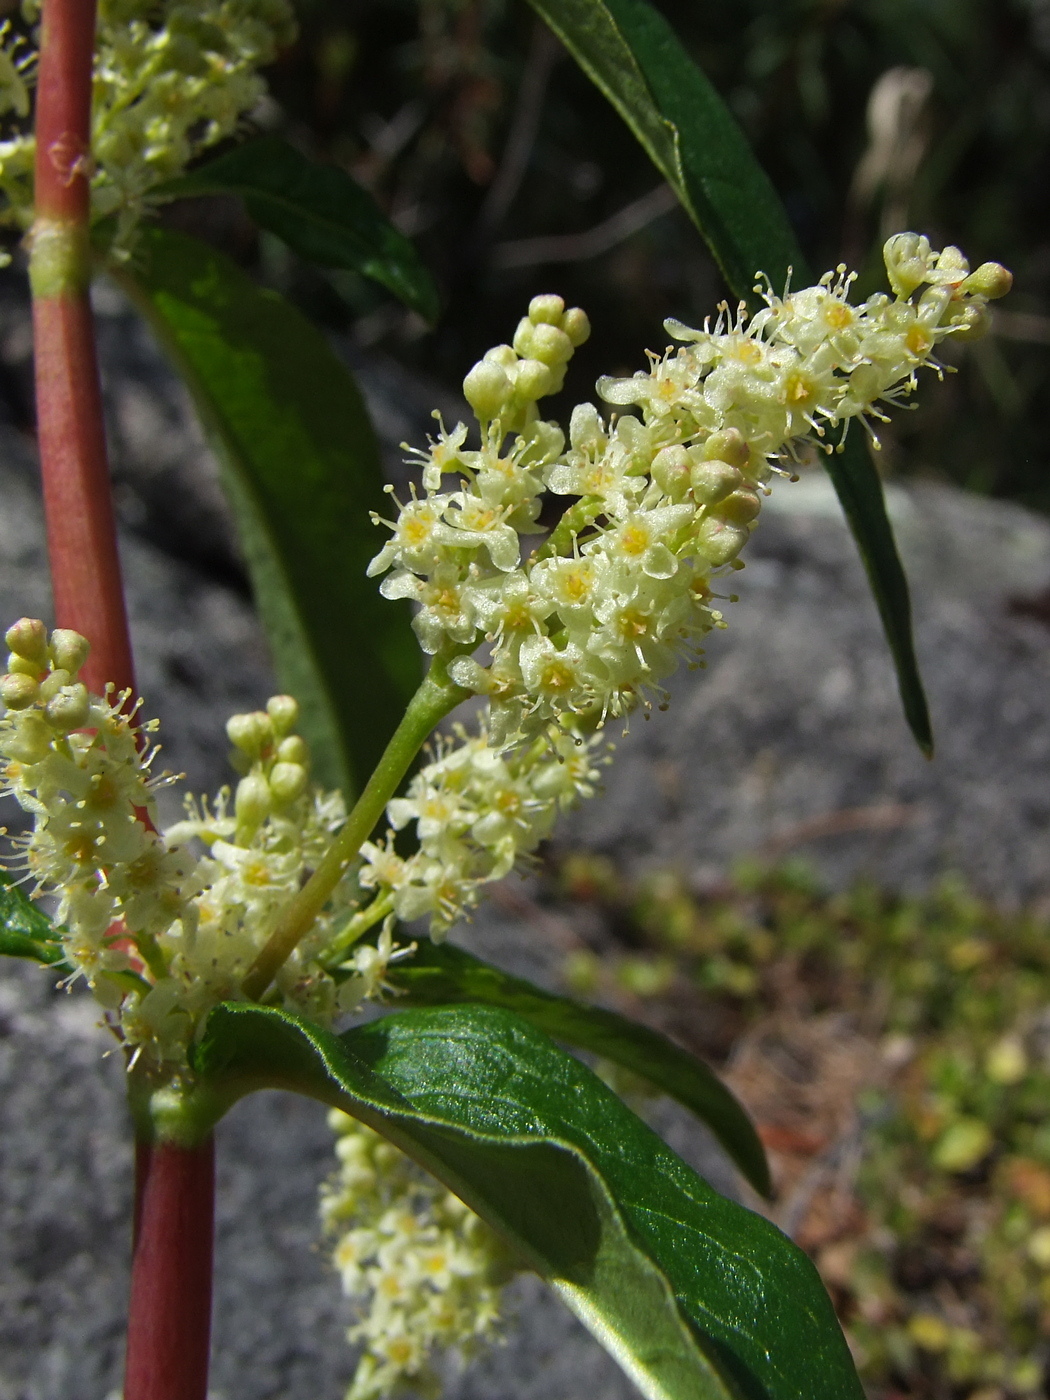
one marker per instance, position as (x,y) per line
(445,974)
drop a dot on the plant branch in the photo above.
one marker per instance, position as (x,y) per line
(81,529)
(434,699)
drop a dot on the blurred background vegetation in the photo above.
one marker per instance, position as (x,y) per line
(488,146)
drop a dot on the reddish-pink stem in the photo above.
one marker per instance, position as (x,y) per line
(169,1326)
(81,530)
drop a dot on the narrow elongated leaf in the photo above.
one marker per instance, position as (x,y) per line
(441,974)
(301,467)
(25,930)
(320,211)
(694,1296)
(859,489)
(631,53)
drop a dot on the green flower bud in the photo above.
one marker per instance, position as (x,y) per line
(287,781)
(576,325)
(69,709)
(532,381)
(28,639)
(487,388)
(713,481)
(740,508)
(69,650)
(19,666)
(293,750)
(670,471)
(990,280)
(718,541)
(523,338)
(253,801)
(17,691)
(284,713)
(546,310)
(53,683)
(727,446)
(250,733)
(501,355)
(549,344)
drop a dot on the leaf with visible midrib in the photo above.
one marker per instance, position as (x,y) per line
(320,211)
(696,1297)
(301,467)
(439,974)
(631,53)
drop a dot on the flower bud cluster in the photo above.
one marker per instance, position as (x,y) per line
(477,811)
(257,851)
(425,1271)
(660,498)
(171,79)
(81,765)
(162,924)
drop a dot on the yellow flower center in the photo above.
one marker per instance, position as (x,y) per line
(918,341)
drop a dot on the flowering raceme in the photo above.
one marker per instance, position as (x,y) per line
(591,622)
(165,924)
(170,80)
(425,1271)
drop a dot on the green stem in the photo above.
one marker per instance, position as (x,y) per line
(575,520)
(356,928)
(152,954)
(434,699)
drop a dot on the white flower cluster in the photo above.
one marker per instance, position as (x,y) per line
(478,810)
(426,1272)
(171,79)
(164,925)
(596,617)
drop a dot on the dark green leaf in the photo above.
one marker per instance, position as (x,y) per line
(319,211)
(441,974)
(860,494)
(693,1295)
(301,466)
(25,931)
(631,53)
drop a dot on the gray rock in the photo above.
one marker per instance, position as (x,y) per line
(791,741)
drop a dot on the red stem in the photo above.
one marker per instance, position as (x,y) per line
(81,529)
(169,1326)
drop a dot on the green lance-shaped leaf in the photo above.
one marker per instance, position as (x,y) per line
(696,1297)
(25,930)
(301,467)
(631,53)
(319,211)
(440,974)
